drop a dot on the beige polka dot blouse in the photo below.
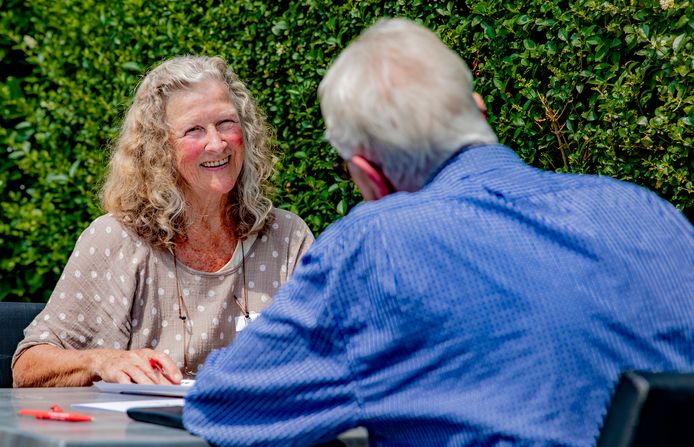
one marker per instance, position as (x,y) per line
(119,292)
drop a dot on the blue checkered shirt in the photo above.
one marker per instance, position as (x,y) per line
(497,306)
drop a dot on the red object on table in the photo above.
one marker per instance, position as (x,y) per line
(55,414)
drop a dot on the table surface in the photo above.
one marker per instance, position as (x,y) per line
(108,428)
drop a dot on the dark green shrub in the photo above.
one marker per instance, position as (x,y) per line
(585,86)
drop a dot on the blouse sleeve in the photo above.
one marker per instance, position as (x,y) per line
(300,240)
(90,305)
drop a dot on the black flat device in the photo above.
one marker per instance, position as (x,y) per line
(171,416)
(650,409)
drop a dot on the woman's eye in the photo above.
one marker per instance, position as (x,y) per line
(193,130)
(226,124)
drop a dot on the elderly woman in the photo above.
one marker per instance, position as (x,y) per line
(190,251)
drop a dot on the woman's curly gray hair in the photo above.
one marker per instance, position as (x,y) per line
(143,188)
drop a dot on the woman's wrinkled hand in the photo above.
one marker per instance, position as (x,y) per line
(136,366)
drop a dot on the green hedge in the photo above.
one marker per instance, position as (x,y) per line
(586,86)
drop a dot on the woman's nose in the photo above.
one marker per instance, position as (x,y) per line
(215,142)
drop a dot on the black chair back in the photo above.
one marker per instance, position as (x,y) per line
(14,317)
(650,409)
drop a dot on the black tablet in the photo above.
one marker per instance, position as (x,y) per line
(170,416)
(650,409)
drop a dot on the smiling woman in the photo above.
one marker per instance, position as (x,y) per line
(208,141)
(191,250)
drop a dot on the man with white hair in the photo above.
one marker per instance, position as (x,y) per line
(477,301)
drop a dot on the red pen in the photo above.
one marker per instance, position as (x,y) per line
(56,415)
(157,366)
(154,363)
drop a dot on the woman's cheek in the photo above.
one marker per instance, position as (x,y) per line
(187,156)
(190,151)
(237,138)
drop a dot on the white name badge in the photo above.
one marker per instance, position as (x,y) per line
(241,321)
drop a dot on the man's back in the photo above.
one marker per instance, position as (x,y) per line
(519,296)
(498,304)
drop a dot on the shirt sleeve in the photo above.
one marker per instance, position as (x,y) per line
(90,305)
(287,379)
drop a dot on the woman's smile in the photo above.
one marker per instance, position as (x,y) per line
(216,164)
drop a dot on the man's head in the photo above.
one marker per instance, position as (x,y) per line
(402,102)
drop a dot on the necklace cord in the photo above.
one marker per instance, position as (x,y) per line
(183,316)
(183,309)
(243,308)
(181,303)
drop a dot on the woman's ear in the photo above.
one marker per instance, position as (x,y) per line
(370,180)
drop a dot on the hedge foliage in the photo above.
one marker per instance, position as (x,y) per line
(586,86)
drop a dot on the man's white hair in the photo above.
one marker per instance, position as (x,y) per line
(403,100)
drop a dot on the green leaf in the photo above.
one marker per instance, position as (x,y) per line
(131,66)
(522,20)
(677,42)
(341,208)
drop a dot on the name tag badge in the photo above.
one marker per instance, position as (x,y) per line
(241,322)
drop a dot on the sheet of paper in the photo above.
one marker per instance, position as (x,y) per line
(123,406)
(148,390)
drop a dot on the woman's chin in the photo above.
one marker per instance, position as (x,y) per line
(210,192)
(222,189)
(222,184)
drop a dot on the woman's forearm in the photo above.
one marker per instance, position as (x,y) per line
(47,365)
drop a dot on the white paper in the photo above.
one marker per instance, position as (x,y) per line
(123,406)
(148,390)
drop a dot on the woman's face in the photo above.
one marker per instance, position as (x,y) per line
(207,139)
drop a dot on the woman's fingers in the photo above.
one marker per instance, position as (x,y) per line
(119,377)
(142,374)
(135,367)
(166,367)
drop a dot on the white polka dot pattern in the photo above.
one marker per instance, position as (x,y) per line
(132,286)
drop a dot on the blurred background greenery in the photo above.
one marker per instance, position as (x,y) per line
(583,86)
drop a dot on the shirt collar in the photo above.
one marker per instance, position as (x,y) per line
(474,160)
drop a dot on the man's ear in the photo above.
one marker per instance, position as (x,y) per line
(370,180)
(480,104)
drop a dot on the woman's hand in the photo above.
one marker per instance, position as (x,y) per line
(48,365)
(144,366)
